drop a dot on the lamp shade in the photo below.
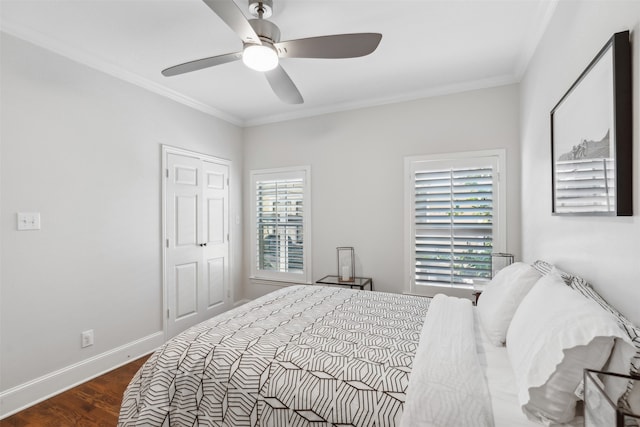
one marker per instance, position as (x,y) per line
(260,57)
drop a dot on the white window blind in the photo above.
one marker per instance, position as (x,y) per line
(454,221)
(280,206)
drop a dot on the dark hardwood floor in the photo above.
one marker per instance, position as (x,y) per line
(94,403)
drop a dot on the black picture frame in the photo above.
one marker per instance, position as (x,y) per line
(591,141)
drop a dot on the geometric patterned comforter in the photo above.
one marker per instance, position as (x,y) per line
(299,356)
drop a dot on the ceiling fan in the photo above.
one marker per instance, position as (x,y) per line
(262,48)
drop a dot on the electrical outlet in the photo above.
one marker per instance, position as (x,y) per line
(87,338)
(28,221)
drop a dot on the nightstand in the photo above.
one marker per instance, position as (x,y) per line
(601,409)
(358,282)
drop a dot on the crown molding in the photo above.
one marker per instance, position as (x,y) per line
(395,99)
(107,67)
(539,25)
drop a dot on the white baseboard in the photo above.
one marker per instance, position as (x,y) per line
(24,395)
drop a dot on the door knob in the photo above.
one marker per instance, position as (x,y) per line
(203,244)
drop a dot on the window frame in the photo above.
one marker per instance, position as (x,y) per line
(413,164)
(303,172)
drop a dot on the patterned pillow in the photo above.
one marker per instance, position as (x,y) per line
(545,268)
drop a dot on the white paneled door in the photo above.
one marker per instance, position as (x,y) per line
(196,238)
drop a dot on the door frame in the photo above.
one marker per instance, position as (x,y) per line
(165,151)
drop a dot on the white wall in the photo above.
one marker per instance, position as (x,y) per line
(605,251)
(356,163)
(83,149)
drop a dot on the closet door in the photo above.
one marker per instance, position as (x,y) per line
(196,240)
(216,238)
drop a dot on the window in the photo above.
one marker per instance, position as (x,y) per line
(455,219)
(280,224)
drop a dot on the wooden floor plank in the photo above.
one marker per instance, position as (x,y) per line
(95,403)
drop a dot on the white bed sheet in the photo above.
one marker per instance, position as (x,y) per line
(502,383)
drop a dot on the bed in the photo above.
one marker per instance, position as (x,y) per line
(327,356)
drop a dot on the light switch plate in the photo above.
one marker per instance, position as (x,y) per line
(28,220)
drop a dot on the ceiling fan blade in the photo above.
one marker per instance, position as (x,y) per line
(199,64)
(283,86)
(330,47)
(235,19)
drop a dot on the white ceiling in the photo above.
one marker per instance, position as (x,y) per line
(428,48)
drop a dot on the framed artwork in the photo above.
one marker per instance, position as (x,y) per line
(591,137)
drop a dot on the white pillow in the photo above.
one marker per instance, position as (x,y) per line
(554,335)
(500,299)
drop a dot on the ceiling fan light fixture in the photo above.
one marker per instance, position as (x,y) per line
(260,57)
